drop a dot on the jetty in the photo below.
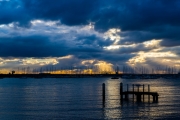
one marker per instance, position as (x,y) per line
(136,93)
(139,94)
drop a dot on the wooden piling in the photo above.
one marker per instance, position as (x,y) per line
(148,91)
(103,93)
(126,95)
(143,92)
(157,98)
(138,96)
(154,98)
(127,88)
(138,93)
(133,92)
(121,90)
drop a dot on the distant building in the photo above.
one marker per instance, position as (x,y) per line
(13,72)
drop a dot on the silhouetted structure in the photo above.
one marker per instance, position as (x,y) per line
(138,93)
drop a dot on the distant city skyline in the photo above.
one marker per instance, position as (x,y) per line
(85,33)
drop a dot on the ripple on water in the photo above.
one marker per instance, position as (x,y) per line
(68,98)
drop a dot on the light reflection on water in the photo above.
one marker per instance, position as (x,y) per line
(81,98)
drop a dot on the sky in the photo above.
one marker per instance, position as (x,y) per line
(83,33)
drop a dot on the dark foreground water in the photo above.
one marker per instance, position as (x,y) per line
(80,98)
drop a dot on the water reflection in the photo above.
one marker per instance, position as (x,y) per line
(165,108)
(82,99)
(112,106)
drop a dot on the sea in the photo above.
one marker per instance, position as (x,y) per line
(81,99)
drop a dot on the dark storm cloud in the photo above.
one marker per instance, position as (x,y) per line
(139,21)
(93,40)
(33,46)
(138,14)
(169,34)
(70,12)
(126,14)
(42,46)
(14,11)
(170,43)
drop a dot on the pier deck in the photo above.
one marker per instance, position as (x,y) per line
(141,93)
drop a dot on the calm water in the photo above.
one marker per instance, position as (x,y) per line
(80,98)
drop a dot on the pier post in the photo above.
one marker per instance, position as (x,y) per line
(103,93)
(157,98)
(127,95)
(121,90)
(138,97)
(143,92)
(154,98)
(148,91)
(133,92)
(127,88)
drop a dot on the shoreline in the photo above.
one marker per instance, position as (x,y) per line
(125,76)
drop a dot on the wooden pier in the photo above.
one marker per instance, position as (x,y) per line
(138,94)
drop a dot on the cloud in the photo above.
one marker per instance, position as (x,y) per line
(143,20)
(112,31)
(32,46)
(51,39)
(46,38)
(137,14)
(128,15)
